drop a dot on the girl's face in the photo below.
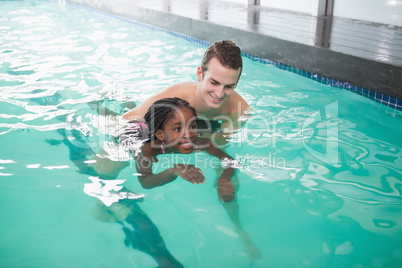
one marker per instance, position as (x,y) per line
(180,131)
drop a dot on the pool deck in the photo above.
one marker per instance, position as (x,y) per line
(364,54)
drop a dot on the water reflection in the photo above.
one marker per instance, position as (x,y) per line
(356,205)
(359,199)
(118,204)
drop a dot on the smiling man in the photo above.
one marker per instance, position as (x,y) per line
(214,93)
(214,98)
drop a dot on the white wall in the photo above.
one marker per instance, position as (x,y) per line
(304,6)
(381,11)
(238,1)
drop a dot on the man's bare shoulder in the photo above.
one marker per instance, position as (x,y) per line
(182,90)
(236,103)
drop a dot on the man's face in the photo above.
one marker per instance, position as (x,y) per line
(217,83)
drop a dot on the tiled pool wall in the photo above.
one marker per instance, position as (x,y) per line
(384,99)
(391,103)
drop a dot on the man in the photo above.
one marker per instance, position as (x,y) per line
(214,98)
(214,93)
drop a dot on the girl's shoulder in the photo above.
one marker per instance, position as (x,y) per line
(148,152)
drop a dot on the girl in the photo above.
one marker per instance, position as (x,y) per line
(171,128)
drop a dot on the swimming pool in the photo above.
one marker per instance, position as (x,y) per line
(320,176)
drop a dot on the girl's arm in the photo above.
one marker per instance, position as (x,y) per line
(150,180)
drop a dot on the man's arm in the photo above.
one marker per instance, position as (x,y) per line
(231,124)
(138,112)
(237,103)
(226,190)
(182,90)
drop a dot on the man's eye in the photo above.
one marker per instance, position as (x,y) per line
(214,82)
(193,127)
(177,129)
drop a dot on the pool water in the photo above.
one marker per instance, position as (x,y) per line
(319,175)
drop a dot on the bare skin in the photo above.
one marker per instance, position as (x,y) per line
(187,172)
(180,136)
(214,98)
(213,95)
(184,139)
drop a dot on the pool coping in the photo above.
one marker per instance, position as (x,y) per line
(207,32)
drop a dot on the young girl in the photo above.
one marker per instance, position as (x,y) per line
(170,127)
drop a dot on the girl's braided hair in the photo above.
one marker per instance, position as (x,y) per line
(157,115)
(161,111)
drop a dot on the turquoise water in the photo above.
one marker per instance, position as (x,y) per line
(320,168)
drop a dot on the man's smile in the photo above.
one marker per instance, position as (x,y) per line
(217,100)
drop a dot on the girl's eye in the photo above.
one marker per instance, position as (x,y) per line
(177,129)
(214,82)
(193,127)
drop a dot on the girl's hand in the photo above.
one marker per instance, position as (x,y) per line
(189,172)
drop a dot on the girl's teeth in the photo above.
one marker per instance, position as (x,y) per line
(186,145)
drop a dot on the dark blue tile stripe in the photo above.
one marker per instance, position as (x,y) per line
(384,99)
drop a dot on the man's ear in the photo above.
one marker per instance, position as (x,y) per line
(160,135)
(199,74)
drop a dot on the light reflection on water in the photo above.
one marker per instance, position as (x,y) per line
(53,63)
